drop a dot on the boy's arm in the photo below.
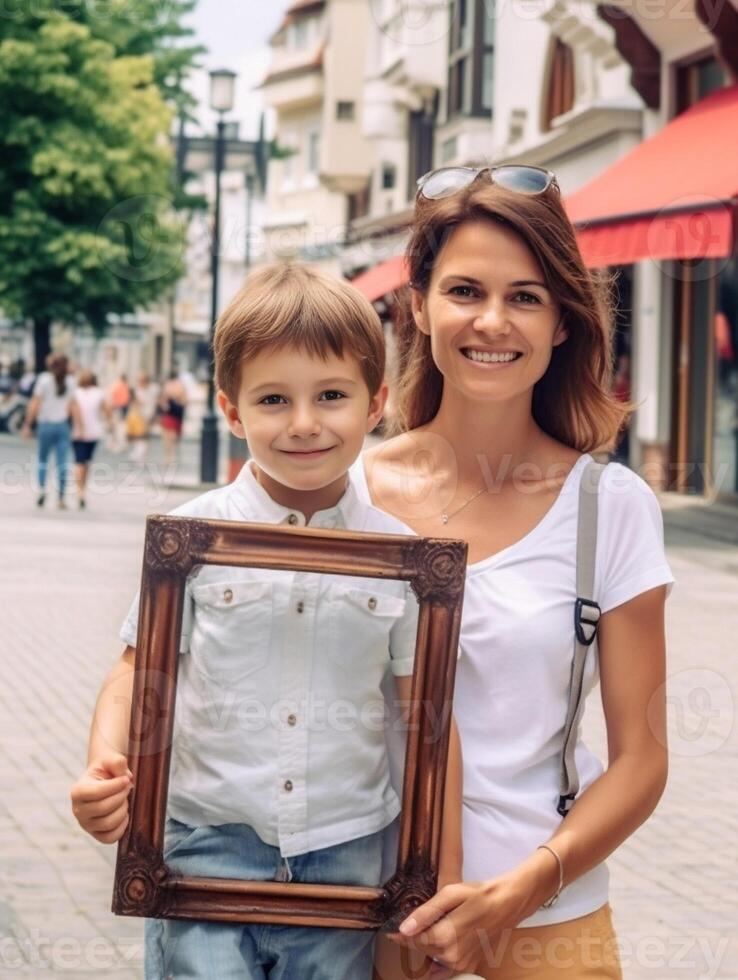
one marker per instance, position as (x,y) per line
(451,854)
(100,795)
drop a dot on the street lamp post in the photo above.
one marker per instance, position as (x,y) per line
(222,84)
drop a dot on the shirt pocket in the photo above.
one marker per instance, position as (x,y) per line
(361,621)
(232,629)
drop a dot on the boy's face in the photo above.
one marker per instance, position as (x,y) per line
(305,418)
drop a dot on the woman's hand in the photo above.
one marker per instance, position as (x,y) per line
(458,928)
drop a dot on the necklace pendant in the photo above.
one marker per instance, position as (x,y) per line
(444,518)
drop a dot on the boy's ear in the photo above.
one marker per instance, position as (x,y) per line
(230,413)
(376,407)
(417,305)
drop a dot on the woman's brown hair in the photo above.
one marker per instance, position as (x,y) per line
(58,365)
(572,402)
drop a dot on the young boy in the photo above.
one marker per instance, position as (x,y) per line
(268,779)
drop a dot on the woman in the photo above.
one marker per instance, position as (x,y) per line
(504,392)
(51,407)
(145,403)
(172,404)
(89,427)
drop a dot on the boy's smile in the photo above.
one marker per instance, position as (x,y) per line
(305,419)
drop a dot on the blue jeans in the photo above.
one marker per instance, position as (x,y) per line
(183,950)
(53,435)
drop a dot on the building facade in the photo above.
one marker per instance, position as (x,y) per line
(318,182)
(577,88)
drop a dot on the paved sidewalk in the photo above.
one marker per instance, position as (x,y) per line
(65,583)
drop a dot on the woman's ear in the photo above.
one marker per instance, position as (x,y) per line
(230,413)
(417,301)
(561,333)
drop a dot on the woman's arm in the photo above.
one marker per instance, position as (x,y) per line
(632,672)
(31,412)
(632,677)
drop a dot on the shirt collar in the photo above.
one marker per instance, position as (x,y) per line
(255,504)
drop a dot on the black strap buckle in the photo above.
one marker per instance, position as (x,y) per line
(565,804)
(586,620)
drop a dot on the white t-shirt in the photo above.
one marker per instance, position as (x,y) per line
(53,407)
(512,681)
(280,719)
(90,402)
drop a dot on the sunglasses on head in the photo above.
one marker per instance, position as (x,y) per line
(437,184)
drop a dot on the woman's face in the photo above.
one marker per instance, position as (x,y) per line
(491,320)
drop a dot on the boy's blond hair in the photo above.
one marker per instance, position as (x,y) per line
(296,305)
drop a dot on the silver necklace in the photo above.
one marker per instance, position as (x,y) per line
(445,517)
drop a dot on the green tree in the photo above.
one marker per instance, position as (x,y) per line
(87,226)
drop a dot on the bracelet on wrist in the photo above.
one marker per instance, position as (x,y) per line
(555,897)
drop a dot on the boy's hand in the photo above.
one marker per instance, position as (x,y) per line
(100,797)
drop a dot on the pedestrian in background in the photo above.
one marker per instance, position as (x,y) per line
(88,427)
(172,403)
(119,399)
(52,409)
(146,405)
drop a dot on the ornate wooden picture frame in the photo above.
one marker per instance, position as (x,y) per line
(144,885)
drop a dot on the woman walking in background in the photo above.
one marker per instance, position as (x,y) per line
(172,404)
(146,405)
(119,399)
(88,427)
(52,409)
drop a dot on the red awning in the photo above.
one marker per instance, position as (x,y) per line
(383,278)
(672,197)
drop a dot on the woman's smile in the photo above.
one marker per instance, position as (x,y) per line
(490,359)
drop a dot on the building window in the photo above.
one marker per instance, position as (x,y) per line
(421,128)
(313,154)
(345,110)
(300,33)
(471,58)
(289,161)
(389,176)
(449,149)
(559,93)
(696,79)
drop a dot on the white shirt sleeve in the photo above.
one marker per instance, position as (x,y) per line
(129,629)
(630,547)
(403,635)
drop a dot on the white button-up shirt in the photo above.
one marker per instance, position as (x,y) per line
(280,720)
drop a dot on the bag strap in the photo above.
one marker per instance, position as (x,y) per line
(586,620)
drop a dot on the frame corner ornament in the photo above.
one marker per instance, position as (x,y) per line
(173,544)
(140,881)
(441,569)
(409,888)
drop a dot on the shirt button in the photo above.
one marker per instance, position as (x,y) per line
(288,785)
(228,595)
(291,719)
(292,519)
(300,607)
(372,603)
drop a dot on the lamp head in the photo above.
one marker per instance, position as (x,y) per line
(222,89)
